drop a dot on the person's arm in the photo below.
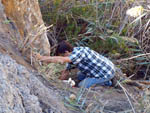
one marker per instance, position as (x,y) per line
(70,66)
(55,59)
(52,59)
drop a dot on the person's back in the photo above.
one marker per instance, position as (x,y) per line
(94,68)
(91,63)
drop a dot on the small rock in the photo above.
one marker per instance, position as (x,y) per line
(72,97)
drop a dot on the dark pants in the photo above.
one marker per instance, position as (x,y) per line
(88,82)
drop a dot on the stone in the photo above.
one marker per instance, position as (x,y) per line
(22,92)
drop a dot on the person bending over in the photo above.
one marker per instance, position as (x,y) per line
(93,67)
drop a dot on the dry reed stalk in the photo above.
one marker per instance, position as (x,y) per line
(125,59)
(32,37)
(126,93)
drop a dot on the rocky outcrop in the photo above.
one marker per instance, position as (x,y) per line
(22,28)
(22,92)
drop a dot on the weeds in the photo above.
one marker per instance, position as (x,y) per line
(104,26)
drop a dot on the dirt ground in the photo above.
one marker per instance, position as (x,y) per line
(96,99)
(99,98)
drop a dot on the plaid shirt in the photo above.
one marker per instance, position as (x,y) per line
(91,63)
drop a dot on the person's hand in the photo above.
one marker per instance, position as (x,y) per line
(40,57)
(64,75)
(37,56)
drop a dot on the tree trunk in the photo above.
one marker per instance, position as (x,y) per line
(23,26)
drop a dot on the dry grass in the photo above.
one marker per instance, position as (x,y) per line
(110,17)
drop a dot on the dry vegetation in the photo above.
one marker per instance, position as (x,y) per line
(105,26)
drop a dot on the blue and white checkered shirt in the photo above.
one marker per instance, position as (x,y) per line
(91,63)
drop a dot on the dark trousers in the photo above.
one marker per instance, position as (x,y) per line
(88,82)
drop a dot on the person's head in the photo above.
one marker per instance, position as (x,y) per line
(64,49)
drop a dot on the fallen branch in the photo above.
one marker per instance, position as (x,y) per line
(134,57)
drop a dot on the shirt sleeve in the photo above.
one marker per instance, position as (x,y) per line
(77,55)
(70,66)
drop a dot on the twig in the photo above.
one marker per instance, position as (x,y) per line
(83,102)
(134,57)
(31,56)
(130,76)
(125,91)
(113,11)
(102,109)
(126,111)
(39,31)
(146,71)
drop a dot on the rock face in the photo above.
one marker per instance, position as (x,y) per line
(22,28)
(22,92)
(26,16)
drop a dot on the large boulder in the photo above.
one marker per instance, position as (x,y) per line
(22,92)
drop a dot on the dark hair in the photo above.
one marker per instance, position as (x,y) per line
(63,47)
